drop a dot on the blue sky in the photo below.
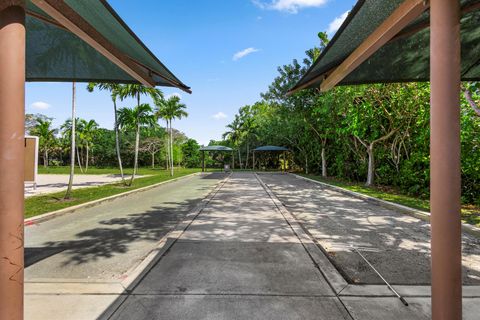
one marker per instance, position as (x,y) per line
(228,51)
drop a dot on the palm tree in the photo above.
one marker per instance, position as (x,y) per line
(137,90)
(135,119)
(86,135)
(234,133)
(115,90)
(169,110)
(43,129)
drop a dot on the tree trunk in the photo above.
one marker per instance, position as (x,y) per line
(246,160)
(153,160)
(68,194)
(371,165)
(306,165)
(167,148)
(240,158)
(117,142)
(78,160)
(324,163)
(171,149)
(135,161)
(45,158)
(471,102)
(86,158)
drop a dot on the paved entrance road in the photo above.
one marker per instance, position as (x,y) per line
(105,241)
(238,260)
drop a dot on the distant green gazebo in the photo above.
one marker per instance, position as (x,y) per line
(215,149)
(274,149)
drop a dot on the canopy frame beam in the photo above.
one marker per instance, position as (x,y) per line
(408,11)
(72,21)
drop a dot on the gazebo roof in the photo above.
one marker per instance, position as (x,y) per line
(389,41)
(215,148)
(86,41)
(270,148)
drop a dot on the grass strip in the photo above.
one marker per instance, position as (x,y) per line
(41,204)
(470,213)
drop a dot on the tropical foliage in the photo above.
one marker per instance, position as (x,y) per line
(378,134)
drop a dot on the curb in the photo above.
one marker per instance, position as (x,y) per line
(422,215)
(50,215)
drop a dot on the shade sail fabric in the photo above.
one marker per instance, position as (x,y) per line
(271,148)
(56,54)
(215,148)
(404,58)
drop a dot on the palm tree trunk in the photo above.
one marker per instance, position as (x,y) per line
(117,141)
(239,157)
(135,164)
(68,194)
(171,149)
(45,158)
(86,158)
(167,147)
(78,160)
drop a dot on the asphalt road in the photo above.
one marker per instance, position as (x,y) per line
(105,241)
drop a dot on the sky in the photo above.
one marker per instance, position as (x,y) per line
(227,51)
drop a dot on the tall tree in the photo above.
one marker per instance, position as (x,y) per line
(86,136)
(43,129)
(170,110)
(115,91)
(135,119)
(234,134)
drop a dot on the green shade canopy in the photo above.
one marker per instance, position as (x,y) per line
(215,148)
(76,40)
(406,57)
(271,148)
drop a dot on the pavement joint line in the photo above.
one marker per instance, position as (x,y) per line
(419,214)
(142,269)
(299,231)
(51,215)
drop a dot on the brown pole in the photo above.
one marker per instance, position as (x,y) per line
(12,143)
(445,159)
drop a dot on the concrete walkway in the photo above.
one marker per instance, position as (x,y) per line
(239,254)
(51,183)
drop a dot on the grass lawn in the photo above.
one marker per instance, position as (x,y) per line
(470,213)
(40,204)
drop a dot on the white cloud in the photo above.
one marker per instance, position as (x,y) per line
(336,24)
(291,6)
(219,116)
(244,53)
(40,105)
